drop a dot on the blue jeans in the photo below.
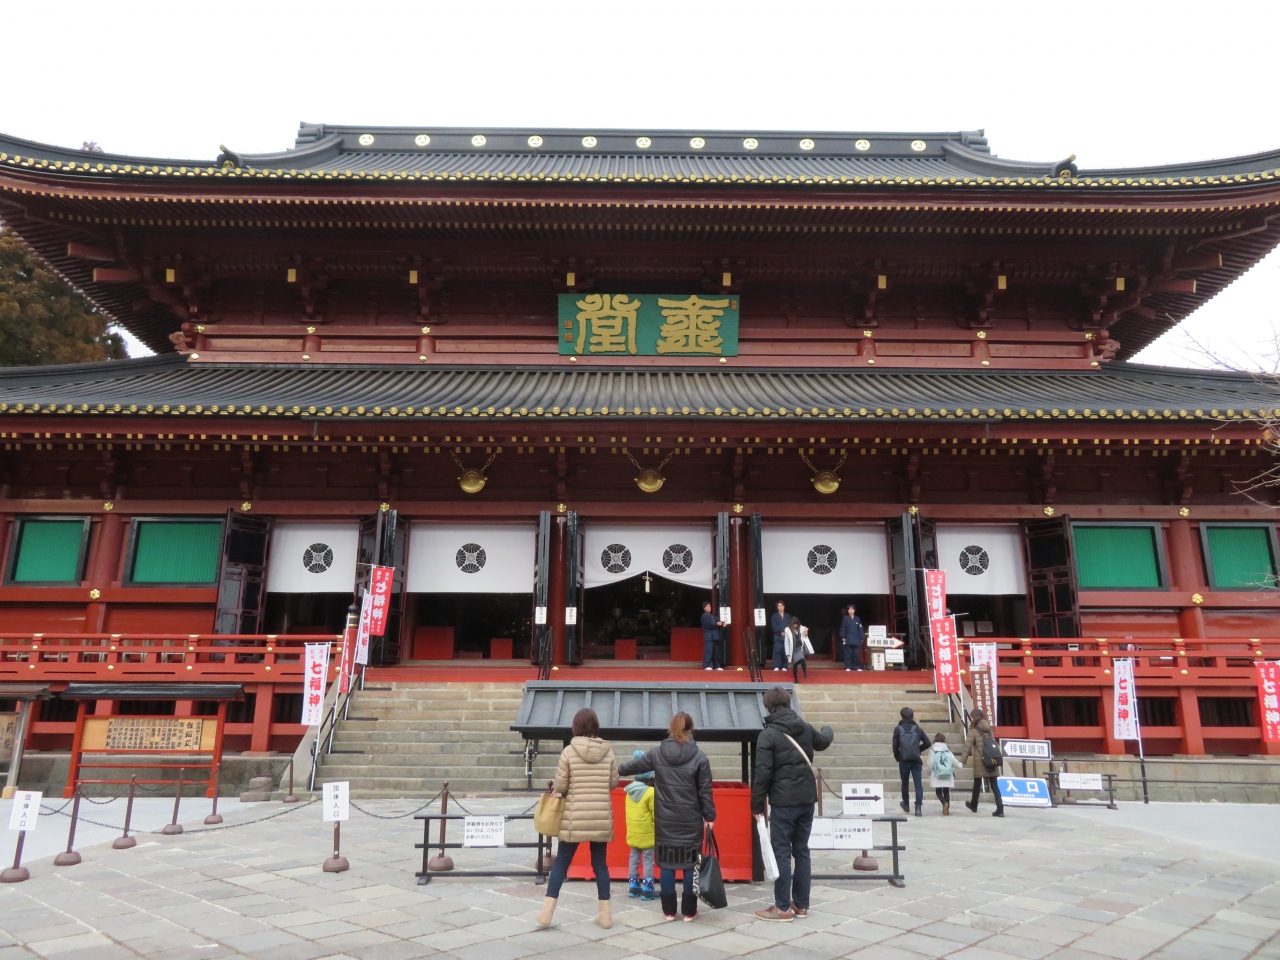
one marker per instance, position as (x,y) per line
(667,882)
(852,656)
(779,654)
(711,652)
(911,770)
(560,869)
(789,835)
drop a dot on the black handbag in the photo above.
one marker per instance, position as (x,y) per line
(710,883)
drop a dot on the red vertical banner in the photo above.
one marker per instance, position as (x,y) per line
(946,655)
(346,660)
(380,587)
(315,675)
(935,593)
(1269,699)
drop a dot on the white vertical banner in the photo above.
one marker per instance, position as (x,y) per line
(362,635)
(315,673)
(986,655)
(25,814)
(337,802)
(1125,703)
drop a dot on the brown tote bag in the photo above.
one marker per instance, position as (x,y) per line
(550,814)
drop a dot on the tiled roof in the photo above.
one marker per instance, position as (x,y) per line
(170,385)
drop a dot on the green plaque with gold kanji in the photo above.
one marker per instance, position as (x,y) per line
(648,325)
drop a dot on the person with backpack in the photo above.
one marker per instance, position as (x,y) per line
(909,744)
(982,753)
(942,772)
(785,780)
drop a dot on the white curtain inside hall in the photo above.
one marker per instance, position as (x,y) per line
(617,552)
(312,557)
(471,558)
(982,558)
(851,560)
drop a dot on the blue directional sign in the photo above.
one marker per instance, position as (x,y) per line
(1024,792)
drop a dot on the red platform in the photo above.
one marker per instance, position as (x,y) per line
(733,835)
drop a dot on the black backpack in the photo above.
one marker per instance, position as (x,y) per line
(992,756)
(908,743)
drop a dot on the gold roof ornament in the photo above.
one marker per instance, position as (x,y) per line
(472,480)
(825,482)
(650,479)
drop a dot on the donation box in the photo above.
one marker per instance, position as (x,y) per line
(733,829)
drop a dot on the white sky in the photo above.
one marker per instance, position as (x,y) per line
(1116,83)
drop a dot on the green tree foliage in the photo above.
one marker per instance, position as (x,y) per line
(42,319)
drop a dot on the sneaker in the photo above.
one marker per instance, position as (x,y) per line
(647,890)
(707,668)
(719,668)
(848,669)
(801,912)
(773,913)
(669,917)
(688,917)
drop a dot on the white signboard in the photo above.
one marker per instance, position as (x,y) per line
(1124,702)
(862,799)
(761,620)
(726,615)
(570,616)
(877,659)
(25,814)
(876,632)
(337,802)
(895,656)
(852,834)
(1027,749)
(1080,781)
(1024,792)
(540,615)
(362,635)
(987,655)
(822,836)
(315,675)
(484,831)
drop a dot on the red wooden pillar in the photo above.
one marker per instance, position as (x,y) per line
(77,743)
(263,707)
(102,569)
(1189,720)
(739,590)
(1032,713)
(555,588)
(217,747)
(1187,575)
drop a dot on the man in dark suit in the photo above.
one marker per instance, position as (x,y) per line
(712,659)
(778,623)
(853,634)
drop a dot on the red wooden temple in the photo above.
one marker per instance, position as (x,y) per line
(571,383)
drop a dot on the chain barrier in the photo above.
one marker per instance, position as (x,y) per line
(395,816)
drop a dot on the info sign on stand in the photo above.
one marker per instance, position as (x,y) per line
(859,800)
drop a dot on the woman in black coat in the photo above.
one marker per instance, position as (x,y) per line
(682,808)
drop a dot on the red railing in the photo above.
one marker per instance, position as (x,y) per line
(211,658)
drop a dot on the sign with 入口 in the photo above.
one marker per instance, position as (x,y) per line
(1024,792)
(25,813)
(862,799)
(337,802)
(484,831)
(851,834)
(1079,781)
(648,325)
(1027,749)
(1269,699)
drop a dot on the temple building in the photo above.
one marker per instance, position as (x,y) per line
(571,384)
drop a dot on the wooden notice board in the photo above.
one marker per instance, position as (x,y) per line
(198,734)
(8,727)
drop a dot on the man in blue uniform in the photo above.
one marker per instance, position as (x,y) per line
(712,659)
(853,634)
(778,623)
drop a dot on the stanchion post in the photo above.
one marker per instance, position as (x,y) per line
(895,880)
(69,857)
(173,827)
(124,841)
(819,772)
(442,863)
(291,797)
(17,873)
(337,863)
(214,816)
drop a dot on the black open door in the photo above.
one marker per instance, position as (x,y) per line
(760,617)
(383,543)
(540,652)
(573,548)
(1052,590)
(242,588)
(913,545)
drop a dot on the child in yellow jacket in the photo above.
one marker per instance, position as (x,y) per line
(640,839)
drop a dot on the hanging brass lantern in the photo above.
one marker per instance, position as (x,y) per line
(650,479)
(471,479)
(825,481)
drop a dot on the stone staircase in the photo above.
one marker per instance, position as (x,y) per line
(406,739)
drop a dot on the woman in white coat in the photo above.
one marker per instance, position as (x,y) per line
(796,642)
(942,772)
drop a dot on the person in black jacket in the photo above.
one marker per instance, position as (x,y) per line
(909,742)
(682,809)
(852,633)
(784,777)
(778,623)
(712,659)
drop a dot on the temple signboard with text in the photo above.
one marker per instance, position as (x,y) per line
(648,325)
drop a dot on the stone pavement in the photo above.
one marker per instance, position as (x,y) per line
(1037,884)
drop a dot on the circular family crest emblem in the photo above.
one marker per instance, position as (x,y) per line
(317,558)
(677,558)
(974,561)
(615,558)
(822,559)
(470,558)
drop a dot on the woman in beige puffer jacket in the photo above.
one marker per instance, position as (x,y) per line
(585,777)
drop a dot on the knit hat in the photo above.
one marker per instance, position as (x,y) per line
(636,755)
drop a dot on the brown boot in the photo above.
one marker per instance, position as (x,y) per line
(543,919)
(603,919)
(946,809)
